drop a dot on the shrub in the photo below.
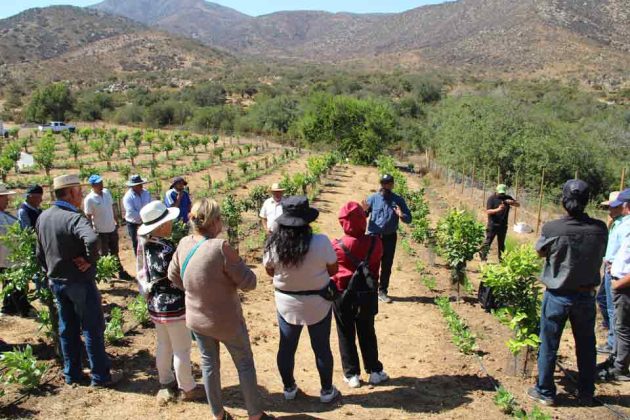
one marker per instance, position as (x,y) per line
(113,330)
(107,267)
(22,368)
(139,310)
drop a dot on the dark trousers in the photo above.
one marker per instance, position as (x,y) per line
(621,299)
(348,329)
(500,232)
(389,250)
(579,309)
(602,303)
(320,343)
(80,313)
(132,230)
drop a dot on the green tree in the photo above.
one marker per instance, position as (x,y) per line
(52,102)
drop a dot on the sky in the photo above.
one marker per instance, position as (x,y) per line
(251,7)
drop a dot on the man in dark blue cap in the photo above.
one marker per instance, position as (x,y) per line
(385,209)
(177,196)
(616,368)
(98,207)
(573,248)
(29,210)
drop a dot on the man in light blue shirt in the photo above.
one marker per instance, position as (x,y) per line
(604,297)
(133,201)
(385,209)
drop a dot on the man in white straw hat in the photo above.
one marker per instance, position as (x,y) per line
(15,302)
(272,208)
(68,250)
(134,200)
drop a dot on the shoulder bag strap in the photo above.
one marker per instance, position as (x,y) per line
(189,256)
(354,260)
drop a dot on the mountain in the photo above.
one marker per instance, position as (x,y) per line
(72,43)
(495,35)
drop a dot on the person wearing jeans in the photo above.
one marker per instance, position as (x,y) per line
(133,201)
(573,248)
(352,323)
(67,248)
(165,303)
(385,209)
(301,264)
(616,368)
(210,272)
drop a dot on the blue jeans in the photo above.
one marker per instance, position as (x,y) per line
(579,309)
(132,230)
(241,352)
(602,302)
(610,309)
(320,343)
(79,306)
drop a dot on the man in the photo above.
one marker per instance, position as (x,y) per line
(385,209)
(177,196)
(133,201)
(271,208)
(573,248)
(498,211)
(616,367)
(68,250)
(29,210)
(604,296)
(15,303)
(98,206)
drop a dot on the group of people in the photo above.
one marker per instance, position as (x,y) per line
(192,287)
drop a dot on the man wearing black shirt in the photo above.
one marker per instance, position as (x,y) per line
(498,211)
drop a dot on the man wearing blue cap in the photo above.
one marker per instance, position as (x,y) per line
(29,210)
(385,209)
(616,367)
(177,196)
(573,248)
(98,206)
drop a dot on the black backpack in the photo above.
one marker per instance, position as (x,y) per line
(486,298)
(361,295)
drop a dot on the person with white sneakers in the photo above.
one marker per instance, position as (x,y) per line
(301,264)
(165,302)
(354,319)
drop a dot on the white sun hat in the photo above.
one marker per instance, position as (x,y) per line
(5,191)
(154,215)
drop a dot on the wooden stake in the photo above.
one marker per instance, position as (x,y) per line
(498,175)
(540,201)
(623,179)
(576,174)
(483,187)
(463,180)
(472,181)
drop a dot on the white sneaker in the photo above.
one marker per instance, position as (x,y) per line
(291,393)
(329,396)
(378,377)
(353,381)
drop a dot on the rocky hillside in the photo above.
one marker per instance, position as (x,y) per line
(495,35)
(87,46)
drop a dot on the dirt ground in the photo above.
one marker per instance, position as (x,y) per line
(429,377)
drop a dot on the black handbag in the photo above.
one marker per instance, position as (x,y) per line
(486,298)
(361,295)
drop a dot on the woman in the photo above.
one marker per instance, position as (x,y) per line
(301,264)
(165,303)
(210,272)
(353,247)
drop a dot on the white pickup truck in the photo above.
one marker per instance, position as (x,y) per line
(57,127)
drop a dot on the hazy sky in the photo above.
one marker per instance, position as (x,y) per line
(251,7)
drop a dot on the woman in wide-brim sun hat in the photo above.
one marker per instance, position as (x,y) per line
(165,302)
(301,264)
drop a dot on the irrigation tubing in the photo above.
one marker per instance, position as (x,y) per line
(612,409)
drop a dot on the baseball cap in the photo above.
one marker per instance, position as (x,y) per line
(178,179)
(623,197)
(386,178)
(34,189)
(576,189)
(95,179)
(502,188)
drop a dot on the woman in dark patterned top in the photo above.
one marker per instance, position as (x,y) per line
(166,303)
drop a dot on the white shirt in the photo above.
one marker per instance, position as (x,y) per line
(310,275)
(102,211)
(271,210)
